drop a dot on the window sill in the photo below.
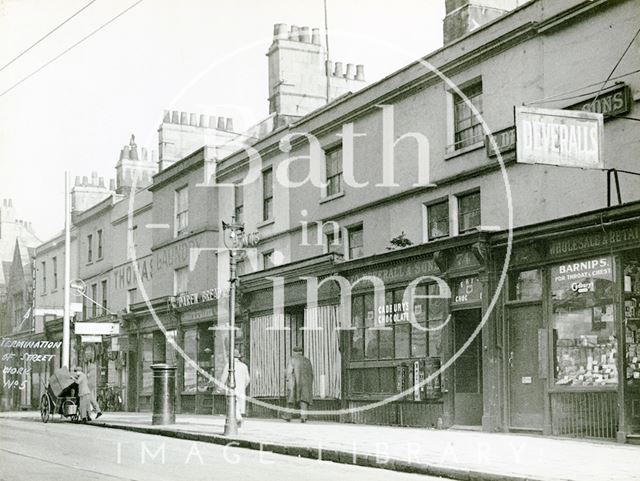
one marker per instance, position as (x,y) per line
(266,223)
(329,198)
(450,154)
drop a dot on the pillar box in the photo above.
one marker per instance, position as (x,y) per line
(164,394)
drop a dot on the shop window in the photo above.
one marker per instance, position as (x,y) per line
(632,323)
(267,194)
(400,340)
(467,125)
(191,350)
(333,166)
(468,212)
(583,323)
(356,242)
(181,210)
(147,361)
(525,285)
(205,355)
(438,220)
(238,201)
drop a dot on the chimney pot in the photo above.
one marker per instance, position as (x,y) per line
(202,122)
(101,182)
(338,72)
(305,35)
(10,202)
(360,72)
(175,117)
(167,116)
(220,123)
(193,120)
(294,34)
(315,36)
(229,125)
(77,182)
(85,180)
(125,152)
(212,121)
(280,31)
(184,118)
(351,71)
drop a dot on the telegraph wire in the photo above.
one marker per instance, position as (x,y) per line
(42,38)
(70,48)
(615,67)
(558,98)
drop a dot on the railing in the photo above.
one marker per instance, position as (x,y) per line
(585,414)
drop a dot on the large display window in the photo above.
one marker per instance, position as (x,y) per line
(389,351)
(583,320)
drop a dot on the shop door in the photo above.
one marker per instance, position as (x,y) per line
(526,396)
(467,369)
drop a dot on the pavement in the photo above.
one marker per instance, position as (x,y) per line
(461,455)
(61,451)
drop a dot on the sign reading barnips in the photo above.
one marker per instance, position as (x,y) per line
(559,137)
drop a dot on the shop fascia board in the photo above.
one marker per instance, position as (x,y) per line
(603,218)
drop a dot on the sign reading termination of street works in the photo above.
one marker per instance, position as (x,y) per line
(559,137)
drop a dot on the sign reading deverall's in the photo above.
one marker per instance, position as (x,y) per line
(559,137)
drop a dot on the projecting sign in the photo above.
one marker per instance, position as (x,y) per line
(97,328)
(559,137)
(45,311)
(90,339)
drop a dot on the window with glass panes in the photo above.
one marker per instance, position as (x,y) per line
(238,201)
(468,211)
(334,241)
(467,125)
(356,242)
(438,220)
(386,334)
(182,210)
(100,244)
(267,194)
(333,159)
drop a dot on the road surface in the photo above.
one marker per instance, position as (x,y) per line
(60,450)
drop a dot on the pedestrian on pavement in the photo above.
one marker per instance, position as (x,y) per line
(299,378)
(242,381)
(87,400)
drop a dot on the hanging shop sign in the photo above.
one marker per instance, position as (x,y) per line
(97,328)
(565,138)
(609,104)
(90,339)
(467,289)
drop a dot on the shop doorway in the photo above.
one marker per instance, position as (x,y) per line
(467,369)
(526,396)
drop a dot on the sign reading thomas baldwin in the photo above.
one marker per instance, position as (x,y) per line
(559,137)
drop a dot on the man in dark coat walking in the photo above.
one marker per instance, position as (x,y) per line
(299,384)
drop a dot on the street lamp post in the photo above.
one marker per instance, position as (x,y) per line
(233,234)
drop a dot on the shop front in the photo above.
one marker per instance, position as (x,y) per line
(410,311)
(571,327)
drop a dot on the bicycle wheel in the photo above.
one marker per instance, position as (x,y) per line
(45,408)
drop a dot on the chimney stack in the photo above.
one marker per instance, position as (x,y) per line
(464,16)
(315,36)
(280,31)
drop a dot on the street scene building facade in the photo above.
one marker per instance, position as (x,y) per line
(433,277)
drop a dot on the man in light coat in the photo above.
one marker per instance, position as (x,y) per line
(87,401)
(242,381)
(299,384)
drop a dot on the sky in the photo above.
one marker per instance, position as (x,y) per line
(204,56)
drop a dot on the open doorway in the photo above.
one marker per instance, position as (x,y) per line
(467,369)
